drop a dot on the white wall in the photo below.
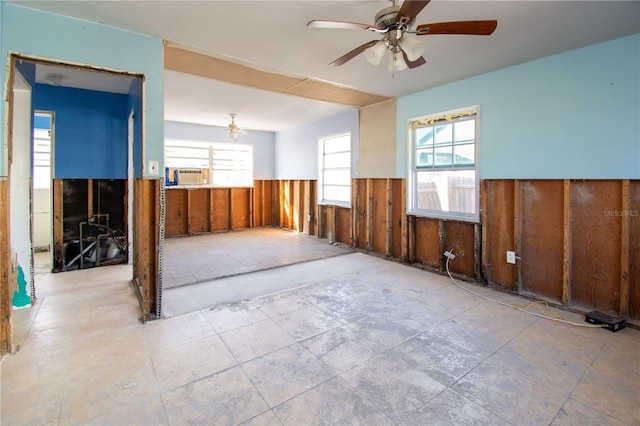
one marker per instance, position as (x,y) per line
(262,142)
(296,154)
(19,190)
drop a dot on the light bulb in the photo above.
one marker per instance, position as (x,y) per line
(375,53)
(397,63)
(412,47)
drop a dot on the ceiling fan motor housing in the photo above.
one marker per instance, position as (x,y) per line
(387,17)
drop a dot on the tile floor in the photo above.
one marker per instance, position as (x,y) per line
(378,343)
(206,257)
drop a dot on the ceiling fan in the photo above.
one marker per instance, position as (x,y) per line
(234,130)
(394,23)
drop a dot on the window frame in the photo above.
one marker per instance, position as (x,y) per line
(321,169)
(210,148)
(412,168)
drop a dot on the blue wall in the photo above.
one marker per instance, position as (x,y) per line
(46,35)
(90,131)
(296,155)
(570,116)
(135,105)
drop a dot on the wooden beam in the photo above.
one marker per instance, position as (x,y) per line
(411,239)
(442,238)
(389,218)
(262,198)
(6,291)
(210,195)
(485,257)
(58,225)
(370,214)
(291,204)
(624,252)
(404,224)
(336,225)
(231,209)
(181,59)
(90,198)
(355,220)
(517,233)
(301,202)
(477,250)
(188,213)
(566,250)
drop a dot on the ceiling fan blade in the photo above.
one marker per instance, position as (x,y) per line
(409,10)
(340,25)
(414,64)
(355,52)
(460,27)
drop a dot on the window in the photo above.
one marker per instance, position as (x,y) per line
(334,183)
(222,164)
(41,158)
(443,170)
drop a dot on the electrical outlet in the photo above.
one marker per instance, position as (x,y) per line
(153,168)
(511,257)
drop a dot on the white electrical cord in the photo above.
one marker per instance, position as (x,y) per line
(449,255)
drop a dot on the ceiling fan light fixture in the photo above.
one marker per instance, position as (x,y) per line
(375,53)
(412,47)
(397,63)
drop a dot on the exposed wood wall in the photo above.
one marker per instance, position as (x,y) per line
(578,242)
(191,211)
(146,238)
(7,280)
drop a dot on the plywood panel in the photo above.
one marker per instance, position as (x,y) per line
(241,208)
(427,242)
(221,206)
(176,210)
(199,211)
(542,238)
(498,221)
(397,214)
(379,221)
(459,237)
(634,250)
(344,225)
(596,236)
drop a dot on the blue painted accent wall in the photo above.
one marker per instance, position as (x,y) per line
(570,116)
(46,35)
(90,134)
(296,149)
(135,104)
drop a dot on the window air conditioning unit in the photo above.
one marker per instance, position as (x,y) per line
(189,176)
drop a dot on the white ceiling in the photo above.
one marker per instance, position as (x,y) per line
(272,36)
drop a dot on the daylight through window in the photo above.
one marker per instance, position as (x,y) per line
(444,178)
(335,170)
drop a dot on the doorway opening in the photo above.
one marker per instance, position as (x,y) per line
(73,156)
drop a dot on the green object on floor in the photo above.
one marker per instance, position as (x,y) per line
(20,296)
